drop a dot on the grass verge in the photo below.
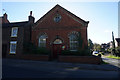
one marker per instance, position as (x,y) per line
(112,56)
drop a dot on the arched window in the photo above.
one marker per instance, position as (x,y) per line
(73,38)
(58,41)
(42,41)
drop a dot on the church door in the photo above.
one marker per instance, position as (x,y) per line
(57,48)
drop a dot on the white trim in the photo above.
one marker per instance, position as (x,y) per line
(73,32)
(43,38)
(14,35)
(71,42)
(13,43)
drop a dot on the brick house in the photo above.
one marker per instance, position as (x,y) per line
(14,35)
(58,29)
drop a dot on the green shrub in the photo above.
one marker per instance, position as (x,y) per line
(30,48)
(41,50)
(68,52)
(76,53)
(113,56)
(118,51)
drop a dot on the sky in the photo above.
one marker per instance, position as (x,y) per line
(102,16)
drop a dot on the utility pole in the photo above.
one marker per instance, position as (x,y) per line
(113,44)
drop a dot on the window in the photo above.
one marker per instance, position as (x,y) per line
(13,47)
(73,42)
(58,41)
(42,41)
(14,32)
(57,18)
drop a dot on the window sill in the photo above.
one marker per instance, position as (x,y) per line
(12,53)
(73,50)
(13,36)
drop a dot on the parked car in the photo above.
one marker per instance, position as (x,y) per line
(96,53)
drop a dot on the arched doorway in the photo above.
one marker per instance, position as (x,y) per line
(57,47)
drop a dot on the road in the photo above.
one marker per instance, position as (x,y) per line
(115,62)
(44,69)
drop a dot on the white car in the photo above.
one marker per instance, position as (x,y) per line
(95,53)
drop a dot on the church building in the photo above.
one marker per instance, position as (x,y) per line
(57,30)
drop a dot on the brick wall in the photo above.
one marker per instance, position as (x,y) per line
(81,59)
(5,40)
(23,35)
(67,24)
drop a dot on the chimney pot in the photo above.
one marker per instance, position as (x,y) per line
(31,18)
(5,16)
(30,13)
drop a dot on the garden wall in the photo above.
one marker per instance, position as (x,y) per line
(35,57)
(81,59)
(61,58)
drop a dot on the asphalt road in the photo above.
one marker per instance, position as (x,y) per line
(115,62)
(43,69)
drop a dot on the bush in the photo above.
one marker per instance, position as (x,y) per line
(76,53)
(30,48)
(85,52)
(68,52)
(41,50)
(117,51)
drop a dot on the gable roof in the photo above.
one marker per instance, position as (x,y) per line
(59,7)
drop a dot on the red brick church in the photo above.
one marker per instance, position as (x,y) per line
(57,30)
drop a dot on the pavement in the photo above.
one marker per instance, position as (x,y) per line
(13,68)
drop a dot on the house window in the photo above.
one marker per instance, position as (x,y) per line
(13,47)
(73,42)
(14,32)
(42,41)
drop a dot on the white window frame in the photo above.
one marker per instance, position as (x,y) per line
(73,42)
(13,43)
(14,34)
(42,40)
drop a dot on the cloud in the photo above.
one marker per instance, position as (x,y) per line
(108,31)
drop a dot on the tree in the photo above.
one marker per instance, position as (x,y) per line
(97,47)
(90,44)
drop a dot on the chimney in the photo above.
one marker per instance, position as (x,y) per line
(5,20)
(30,13)
(5,16)
(31,18)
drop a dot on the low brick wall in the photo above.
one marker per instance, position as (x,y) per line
(35,57)
(80,59)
